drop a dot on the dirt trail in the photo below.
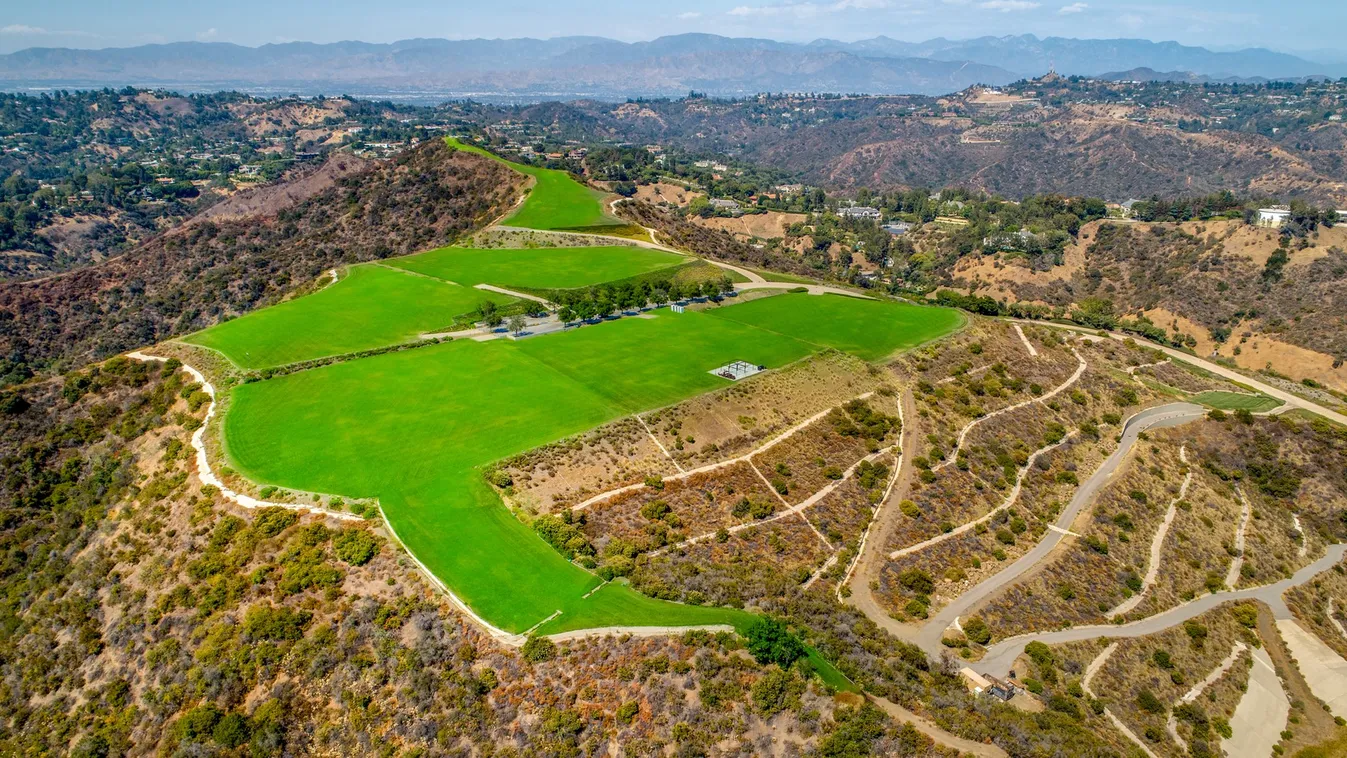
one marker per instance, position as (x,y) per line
(1157,545)
(869,561)
(963,433)
(725,463)
(1172,725)
(1090,672)
(1006,503)
(942,737)
(1232,576)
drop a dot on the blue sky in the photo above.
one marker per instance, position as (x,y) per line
(1299,25)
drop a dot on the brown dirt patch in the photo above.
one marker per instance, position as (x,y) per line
(762,225)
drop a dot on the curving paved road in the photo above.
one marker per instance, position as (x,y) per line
(1001,655)
(1174,414)
(1215,368)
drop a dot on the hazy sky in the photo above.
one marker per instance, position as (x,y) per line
(1297,25)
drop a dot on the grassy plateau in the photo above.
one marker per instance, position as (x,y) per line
(371,306)
(416,428)
(539,268)
(1234,401)
(556,201)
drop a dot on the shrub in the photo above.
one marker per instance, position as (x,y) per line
(537,649)
(910,509)
(1246,614)
(1197,633)
(1150,703)
(265,622)
(776,691)
(626,713)
(977,630)
(917,581)
(355,546)
(770,641)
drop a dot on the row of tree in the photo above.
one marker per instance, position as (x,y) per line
(605,300)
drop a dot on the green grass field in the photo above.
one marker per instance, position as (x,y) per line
(870,329)
(415,428)
(371,306)
(539,268)
(556,201)
(1234,401)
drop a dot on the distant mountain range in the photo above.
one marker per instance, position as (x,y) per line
(568,67)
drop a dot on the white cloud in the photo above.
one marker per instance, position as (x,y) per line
(690,15)
(24,30)
(208,35)
(1072,8)
(1007,6)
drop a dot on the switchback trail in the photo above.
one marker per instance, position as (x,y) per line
(928,638)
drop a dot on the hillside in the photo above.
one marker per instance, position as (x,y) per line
(250,253)
(1224,283)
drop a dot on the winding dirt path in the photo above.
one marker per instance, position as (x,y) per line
(1090,671)
(1232,575)
(1197,689)
(1157,545)
(963,433)
(1006,503)
(725,463)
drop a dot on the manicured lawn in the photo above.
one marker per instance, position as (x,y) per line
(870,329)
(415,428)
(556,201)
(1233,401)
(539,268)
(640,363)
(370,307)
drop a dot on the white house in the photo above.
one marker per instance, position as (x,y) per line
(1273,217)
(860,211)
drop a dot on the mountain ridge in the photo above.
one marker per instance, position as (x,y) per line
(602,67)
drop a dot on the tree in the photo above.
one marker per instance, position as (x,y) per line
(770,641)
(517,324)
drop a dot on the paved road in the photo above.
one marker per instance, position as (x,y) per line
(1165,415)
(1261,714)
(1215,368)
(1001,655)
(1324,670)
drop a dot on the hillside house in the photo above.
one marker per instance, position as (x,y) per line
(725,204)
(898,228)
(1273,217)
(860,211)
